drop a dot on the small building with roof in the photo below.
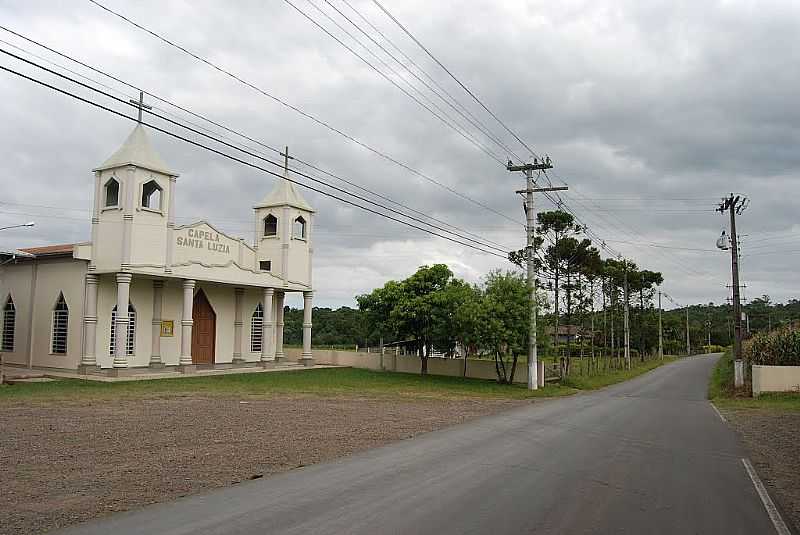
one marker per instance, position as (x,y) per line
(145,292)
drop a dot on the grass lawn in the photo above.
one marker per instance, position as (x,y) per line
(722,393)
(323,382)
(586,382)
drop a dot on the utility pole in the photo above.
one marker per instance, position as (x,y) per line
(626,320)
(660,330)
(688,342)
(530,222)
(735,205)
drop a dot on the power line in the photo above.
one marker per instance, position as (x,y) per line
(301,112)
(249,164)
(453,76)
(456,107)
(223,127)
(462,133)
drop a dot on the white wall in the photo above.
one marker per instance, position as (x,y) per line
(15,280)
(775,379)
(476,369)
(58,275)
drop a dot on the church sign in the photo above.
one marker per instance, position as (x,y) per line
(201,242)
(203,239)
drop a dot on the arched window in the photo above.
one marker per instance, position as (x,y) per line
(130,338)
(9,324)
(270,225)
(256,326)
(58,343)
(151,195)
(112,193)
(299,230)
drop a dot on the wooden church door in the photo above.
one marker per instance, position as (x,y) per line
(204,330)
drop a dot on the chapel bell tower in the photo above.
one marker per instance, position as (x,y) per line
(133,208)
(283,222)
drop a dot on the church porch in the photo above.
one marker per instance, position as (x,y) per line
(174,325)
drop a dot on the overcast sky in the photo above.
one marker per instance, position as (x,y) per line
(651,111)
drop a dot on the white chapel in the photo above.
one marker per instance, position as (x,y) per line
(147,293)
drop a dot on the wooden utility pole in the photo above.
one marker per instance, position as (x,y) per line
(735,205)
(660,330)
(530,226)
(688,341)
(626,320)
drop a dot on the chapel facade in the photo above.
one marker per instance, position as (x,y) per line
(145,292)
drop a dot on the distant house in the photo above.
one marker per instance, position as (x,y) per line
(567,333)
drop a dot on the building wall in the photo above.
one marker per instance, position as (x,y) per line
(16,280)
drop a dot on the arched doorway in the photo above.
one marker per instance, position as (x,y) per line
(204,330)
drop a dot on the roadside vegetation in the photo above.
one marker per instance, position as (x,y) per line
(722,392)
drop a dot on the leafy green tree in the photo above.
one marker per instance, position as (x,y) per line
(422,306)
(505,320)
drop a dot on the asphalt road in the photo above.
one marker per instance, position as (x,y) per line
(648,456)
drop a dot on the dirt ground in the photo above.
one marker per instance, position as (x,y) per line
(772,439)
(66,463)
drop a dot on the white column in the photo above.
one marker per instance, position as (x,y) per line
(238,294)
(186,323)
(307,358)
(121,325)
(158,307)
(89,357)
(267,349)
(279,355)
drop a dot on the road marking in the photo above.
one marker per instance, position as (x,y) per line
(721,417)
(769,505)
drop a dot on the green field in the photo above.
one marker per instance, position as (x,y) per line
(723,394)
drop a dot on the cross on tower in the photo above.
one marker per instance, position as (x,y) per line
(140,105)
(286,159)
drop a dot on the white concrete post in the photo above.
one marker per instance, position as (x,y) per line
(238,325)
(267,326)
(155,331)
(279,354)
(121,325)
(89,357)
(307,358)
(186,324)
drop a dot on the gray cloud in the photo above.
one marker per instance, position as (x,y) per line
(639,104)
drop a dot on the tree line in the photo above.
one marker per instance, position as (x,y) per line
(581,302)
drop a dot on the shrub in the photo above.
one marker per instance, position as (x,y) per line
(780,347)
(713,349)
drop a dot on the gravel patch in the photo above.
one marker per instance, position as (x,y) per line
(66,463)
(772,440)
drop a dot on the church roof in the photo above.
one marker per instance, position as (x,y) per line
(64,248)
(284,194)
(137,150)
